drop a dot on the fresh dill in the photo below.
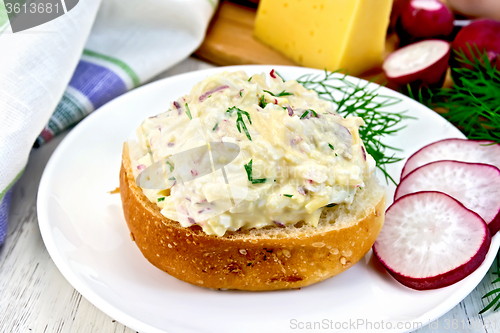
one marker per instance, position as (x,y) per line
(188,112)
(239,121)
(250,78)
(358,99)
(248,169)
(161,199)
(331,146)
(472,103)
(171,166)
(215,127)
(307,112)
(262,102)
(281,94)
(288,195)
(241,95)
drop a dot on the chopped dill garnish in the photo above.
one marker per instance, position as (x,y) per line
(288,195)
(171,166)
(331,146)
(281,94)
(188,112)
(241,95)
(281,77)
(248,169)
(250,78)
(171,178)
(161,199)
(357,99)
(262,102)
(215,127)
(307,112)
(239,121)
(209,96)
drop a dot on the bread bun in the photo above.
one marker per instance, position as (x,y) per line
(258,259)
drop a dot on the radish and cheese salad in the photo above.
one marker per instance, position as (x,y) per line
(297,155)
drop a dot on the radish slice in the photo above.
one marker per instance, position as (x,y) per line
(430,240)
(476,186)
(462,150)
(424,62)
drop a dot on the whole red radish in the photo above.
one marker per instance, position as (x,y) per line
(421,19)
(483,34)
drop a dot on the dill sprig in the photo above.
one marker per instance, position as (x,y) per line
(239,121)
(281,94)
(249,170)
(357,99)
(472,103)
(188,112)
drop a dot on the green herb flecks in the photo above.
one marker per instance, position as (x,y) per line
(171,178)
(241,95)
(161,199)
(281,77)
(215,126)
(239,121)
(250,78)
(188,112)
(288,195)
(307,112)
(331,146)
(262,102)
(170,165)
(281,94)
(248,169)
(472,103)
(353,98)
(331,205)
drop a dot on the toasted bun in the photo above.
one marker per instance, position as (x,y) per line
(258,259)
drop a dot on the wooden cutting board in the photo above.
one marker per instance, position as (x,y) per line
(229,41)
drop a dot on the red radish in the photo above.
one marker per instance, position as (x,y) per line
(483,34)
(476,186)
(430,240)
(424,62)
(463,150)
(426,19)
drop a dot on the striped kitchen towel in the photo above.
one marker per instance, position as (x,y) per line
(55,74)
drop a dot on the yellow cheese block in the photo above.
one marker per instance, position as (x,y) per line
(332,34)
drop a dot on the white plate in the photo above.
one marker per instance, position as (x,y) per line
(85,233)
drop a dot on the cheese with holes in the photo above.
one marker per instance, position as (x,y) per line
(332,34)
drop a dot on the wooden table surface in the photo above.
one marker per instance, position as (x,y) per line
(35,297)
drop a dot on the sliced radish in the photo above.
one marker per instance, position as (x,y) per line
(430,240)
(462,150)
(476,186)
(427,19)
(424,62)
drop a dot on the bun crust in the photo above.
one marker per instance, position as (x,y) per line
(258,259)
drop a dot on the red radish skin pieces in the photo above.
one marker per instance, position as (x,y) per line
(462,150)
(401,253)
(475,185)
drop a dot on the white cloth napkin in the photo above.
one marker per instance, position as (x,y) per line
(53,75)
